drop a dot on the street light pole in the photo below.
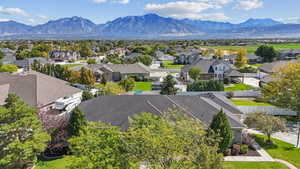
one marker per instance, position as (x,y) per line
(298,140)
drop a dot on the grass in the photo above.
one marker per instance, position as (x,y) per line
(280,150)
(72,65)
(256,64)
(238,87)
(252,165)
(57,164)
(247,102)
(144,86)
(170,65)
(252,48)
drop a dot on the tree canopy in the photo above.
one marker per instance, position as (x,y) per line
(194,73)
(127,84)
(168,86)
(241,60)
(268,53)
(8,68)
(22,136)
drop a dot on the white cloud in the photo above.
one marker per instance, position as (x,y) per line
(294,20)
(248,5)
(41,16)
(189,9)
(3,20)
(113,1)
(12,11)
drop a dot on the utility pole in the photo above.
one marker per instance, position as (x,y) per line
(298,140)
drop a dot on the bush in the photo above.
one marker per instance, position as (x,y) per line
(235,150)
(244,149)
(206,85)
(226,80)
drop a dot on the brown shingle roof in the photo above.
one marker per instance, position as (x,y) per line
(37,89)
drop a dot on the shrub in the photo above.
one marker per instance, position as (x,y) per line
(226,80)
(236,149)
(229,95)
(206,85)
(244,149)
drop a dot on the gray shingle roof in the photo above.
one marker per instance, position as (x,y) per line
(37,89)
(273,66)
(205,65)
(123,68)
(117,109)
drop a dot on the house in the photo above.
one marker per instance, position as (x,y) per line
(9,56)
(64,55)
(40,91)
(116,72)
(117,110)
(27,62)
(210,69)
(252,58)
(164,57)
(117,51)
(289,54)
(133,55)
(187,57)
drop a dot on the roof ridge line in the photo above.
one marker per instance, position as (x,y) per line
(188,112)
(154,107)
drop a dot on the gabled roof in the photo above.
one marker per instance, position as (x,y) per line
(124,68)
(273,66)
(37,89)
(234,73)
(204,64)
(116,110)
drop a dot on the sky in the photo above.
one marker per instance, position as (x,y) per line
(35,12)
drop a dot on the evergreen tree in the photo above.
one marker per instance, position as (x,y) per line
(77,122)
(168,86)
(221,126)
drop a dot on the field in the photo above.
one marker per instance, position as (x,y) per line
(143,86)
(252,165)
(170,65)
(246,102)
(252,48)
(280,150)
(238,87)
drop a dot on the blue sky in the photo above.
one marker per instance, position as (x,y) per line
(100,11)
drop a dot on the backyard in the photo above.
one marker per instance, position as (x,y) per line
(171,65)
(248,102)
(238,87)
(280,150)
(143,86)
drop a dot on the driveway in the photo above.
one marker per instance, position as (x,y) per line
(251,81)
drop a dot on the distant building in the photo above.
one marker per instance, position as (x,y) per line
(187,57)
(211,69)
(116,72)
(40,91)
(117,51)
(9,56)
(66,55)
(289,54)
(133,55)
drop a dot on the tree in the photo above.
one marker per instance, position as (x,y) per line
(241,60)
(265,123)
(22,136)
(284,91)
(194,73)
(9,68)
(146,141)
(103,79)
(112,89)
(86,50)
(168,86)
(127,84)
(145,59)
(91,61)
(1,55)
(221,126)
(77,122)
(206,85)
(87,95)
(268,53)
(98,146)
(87,77)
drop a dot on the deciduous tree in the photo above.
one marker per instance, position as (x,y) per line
(241,60)
(194,73)
(127,84)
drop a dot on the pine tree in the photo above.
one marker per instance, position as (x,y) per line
(76,122)
(221,126)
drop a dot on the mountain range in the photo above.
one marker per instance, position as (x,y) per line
(149,26)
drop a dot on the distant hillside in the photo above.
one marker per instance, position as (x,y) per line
(150,26)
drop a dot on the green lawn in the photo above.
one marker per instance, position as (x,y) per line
(254,165)
(70,66)
(53,164)
(252,48)
(280,150)
(238,87)
(144,86)
(170,65)
(246,102)
(256,64)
